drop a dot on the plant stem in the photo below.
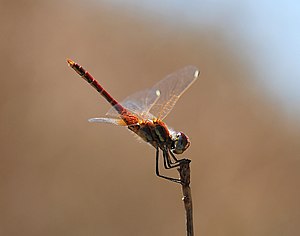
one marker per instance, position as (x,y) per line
(184,171)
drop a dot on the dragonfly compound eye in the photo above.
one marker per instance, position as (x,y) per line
(182,143)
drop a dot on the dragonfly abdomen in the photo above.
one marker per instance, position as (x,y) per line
(89,78)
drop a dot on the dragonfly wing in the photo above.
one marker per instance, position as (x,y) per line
(137,103)
(161,98)
(114,121)
(170,89)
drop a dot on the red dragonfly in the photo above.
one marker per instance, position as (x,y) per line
(144,111)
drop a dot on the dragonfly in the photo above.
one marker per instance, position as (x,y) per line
(143,113)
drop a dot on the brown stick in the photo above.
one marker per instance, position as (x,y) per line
(184,171)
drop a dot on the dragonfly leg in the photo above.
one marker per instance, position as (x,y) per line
(173,156)
(168,161)
(157,170)
(168,164)
(177,161)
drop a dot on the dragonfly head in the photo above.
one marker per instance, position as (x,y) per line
(181,143)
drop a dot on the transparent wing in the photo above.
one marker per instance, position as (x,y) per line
(170,90)
(161,98)
(119,122)
(137,103)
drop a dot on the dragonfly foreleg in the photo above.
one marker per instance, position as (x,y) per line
(173,156)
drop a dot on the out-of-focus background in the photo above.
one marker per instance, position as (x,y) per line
(60,175)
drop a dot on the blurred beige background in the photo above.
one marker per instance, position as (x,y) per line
(60,175)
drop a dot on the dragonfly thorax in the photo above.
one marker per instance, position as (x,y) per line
(180,143)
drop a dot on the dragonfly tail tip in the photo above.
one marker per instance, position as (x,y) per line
(70,62)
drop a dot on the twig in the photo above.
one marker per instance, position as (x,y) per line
(184,171)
